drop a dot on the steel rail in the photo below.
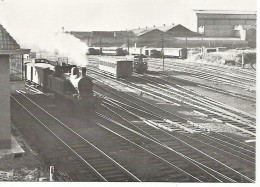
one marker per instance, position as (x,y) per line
(90,166)
(123,108)
(107,156)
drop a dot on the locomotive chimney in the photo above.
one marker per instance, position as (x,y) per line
(75,71)
(83,71)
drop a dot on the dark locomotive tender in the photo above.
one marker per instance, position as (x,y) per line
(65,81)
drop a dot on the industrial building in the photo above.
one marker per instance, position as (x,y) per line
(10,53)
(148,36)
(220,23)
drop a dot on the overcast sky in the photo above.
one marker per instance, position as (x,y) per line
(21,17)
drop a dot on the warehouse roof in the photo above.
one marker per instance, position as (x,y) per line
(208,39)
(224,12)
(139,32)
(103,33)
(179,30)
(80,34)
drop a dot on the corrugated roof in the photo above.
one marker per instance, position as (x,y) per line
(224,12)
(103,33)
(139,32)
(165,28)
(6,40)
(79,34)
(142,31)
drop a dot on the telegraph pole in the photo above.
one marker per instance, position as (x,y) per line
(162,49)
(128,43)
(100,46)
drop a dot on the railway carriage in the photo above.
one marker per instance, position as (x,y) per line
(175,53)
(114,51)
(93,51)
(135,51)
(115,67)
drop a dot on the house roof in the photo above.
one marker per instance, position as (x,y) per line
(6,40)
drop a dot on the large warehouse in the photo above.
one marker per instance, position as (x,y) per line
(147,36)
(221,23)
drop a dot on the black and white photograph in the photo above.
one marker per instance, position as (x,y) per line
(128,91)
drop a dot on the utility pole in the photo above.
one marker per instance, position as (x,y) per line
(162,49)
(128,43)
(100,44)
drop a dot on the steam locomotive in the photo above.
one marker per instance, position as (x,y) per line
(65,81)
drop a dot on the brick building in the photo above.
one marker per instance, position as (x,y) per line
(10,52)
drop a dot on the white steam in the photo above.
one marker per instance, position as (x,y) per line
(59,44)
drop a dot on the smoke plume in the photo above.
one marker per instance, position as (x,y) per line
(59,44)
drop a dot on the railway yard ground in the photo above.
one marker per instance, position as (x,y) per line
(186,122)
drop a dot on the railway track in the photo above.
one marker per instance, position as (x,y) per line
(160,112)
(156,120)
(104,168)
(211,73)
(183,161)
(93,60)
(163,136)
(206,107)
(201,173)
(173,173)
